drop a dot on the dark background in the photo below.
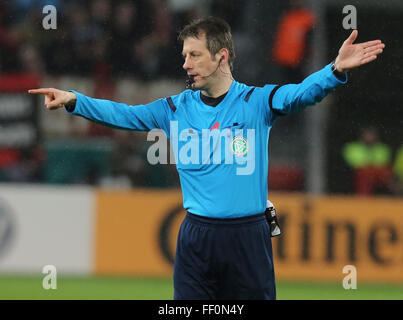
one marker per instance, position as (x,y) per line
(373,95)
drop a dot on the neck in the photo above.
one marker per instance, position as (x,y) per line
(220,86)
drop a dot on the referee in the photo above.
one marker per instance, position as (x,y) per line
(224,248)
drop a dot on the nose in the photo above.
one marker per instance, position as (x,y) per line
(186,64)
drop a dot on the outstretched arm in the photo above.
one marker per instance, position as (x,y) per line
(154,115)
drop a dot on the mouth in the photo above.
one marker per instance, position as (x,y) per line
(193,81)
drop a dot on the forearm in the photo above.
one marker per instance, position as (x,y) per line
(293,97)
(113,114)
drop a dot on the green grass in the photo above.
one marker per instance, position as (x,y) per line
(100,288)
(335,291)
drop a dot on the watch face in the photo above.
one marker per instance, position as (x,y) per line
(334,70)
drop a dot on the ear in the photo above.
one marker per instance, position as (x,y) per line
(224,55)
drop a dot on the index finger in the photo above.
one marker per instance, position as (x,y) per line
(40,91)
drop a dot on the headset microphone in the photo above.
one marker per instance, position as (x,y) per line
(189,82)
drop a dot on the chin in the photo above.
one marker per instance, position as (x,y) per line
(199,85)
(196,86)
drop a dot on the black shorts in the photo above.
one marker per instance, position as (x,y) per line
(224,259)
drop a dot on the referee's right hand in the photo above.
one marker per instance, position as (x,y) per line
(55,98)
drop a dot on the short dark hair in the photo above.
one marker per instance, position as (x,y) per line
(218,35)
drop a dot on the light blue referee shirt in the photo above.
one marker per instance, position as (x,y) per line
(221,152)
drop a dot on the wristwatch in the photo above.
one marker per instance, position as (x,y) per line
(337,73)
(71,106)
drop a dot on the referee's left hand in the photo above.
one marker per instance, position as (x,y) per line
(354,55)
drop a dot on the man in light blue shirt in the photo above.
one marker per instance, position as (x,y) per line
(219,129)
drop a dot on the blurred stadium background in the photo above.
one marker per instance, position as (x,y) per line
(84,198)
